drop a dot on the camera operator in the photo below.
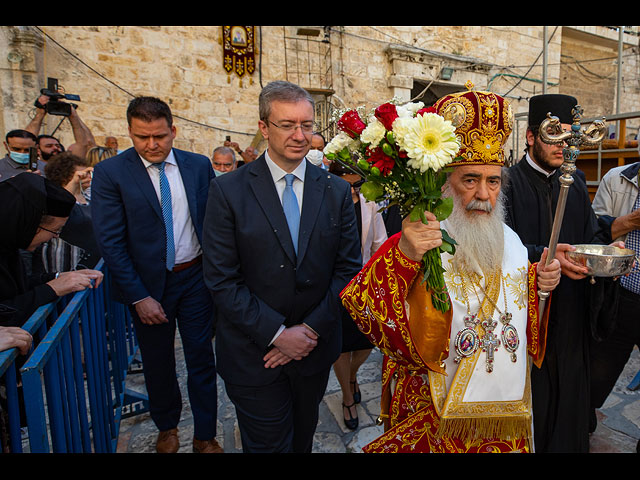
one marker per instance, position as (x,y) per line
(48,145)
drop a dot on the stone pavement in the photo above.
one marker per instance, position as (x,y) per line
(618,429)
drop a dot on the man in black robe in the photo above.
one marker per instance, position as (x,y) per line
(560,388)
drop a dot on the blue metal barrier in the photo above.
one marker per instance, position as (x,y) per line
(74,380)
(37,327)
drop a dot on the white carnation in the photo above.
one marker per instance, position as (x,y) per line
(409,109)
(337,143)
(374,133)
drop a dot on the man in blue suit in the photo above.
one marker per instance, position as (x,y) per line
(276,256)
(148,206)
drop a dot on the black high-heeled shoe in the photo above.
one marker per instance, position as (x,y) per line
(357,396)
(352,422)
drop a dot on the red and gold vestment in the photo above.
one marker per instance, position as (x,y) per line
(431,402)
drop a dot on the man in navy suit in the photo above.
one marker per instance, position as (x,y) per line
(276,256)
(148,207)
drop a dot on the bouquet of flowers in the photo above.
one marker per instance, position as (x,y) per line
(401,151)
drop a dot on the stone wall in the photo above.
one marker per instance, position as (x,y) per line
(107,65)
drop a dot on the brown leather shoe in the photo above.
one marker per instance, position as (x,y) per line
(167,441)
(206,446)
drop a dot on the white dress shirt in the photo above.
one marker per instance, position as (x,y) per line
(184,234)
(278,174)
(278,178)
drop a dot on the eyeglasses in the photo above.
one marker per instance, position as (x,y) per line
(306,127)
(57,234)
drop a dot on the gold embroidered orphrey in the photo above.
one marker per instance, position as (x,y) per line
(499,419)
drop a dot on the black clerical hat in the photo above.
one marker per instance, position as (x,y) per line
(59,201)
(557,104)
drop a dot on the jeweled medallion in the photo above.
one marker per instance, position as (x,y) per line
(467,340)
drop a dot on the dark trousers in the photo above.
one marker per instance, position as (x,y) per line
(280,417)
(187,302)
(609,357)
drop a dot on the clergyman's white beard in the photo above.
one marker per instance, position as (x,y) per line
(479,237)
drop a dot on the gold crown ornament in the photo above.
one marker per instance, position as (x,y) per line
(483,122)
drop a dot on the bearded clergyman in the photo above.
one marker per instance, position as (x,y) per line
(458,381)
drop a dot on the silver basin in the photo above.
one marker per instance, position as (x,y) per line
(603,260)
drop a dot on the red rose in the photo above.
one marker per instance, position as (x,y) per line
(386,114)
(351,124)
(422,111)
(377,158)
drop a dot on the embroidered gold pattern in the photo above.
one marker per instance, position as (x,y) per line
(518,287)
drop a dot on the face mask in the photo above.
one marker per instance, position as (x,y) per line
(315,157)
(218,172)
(21,158)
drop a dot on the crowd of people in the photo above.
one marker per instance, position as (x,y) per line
(278,257)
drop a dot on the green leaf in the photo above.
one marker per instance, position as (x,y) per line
(444,209)
(447,238)
(447,247)
(345,154)
(372,191)
(417,212)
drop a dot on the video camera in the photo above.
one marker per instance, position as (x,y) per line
(55,106)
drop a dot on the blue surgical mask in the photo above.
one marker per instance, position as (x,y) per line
(21,158)
(218,172)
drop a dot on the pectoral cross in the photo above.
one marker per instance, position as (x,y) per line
(489,342)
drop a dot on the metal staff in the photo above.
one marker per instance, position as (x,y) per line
(551,132)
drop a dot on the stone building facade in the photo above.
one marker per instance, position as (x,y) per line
(343,66)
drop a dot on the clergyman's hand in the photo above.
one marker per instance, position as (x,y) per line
(548,275)
(418,238)
(569,268)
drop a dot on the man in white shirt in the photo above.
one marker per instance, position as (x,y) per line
(148,207)
(277,253)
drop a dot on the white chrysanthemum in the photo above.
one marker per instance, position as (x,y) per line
(401,128)
(429,140)
(409,109)
(374,132)
(338,142)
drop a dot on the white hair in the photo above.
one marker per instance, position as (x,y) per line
(479,238)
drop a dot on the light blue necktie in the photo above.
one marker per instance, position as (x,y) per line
(291,209)
(167,214)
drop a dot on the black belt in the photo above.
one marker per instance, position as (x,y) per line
(183,266)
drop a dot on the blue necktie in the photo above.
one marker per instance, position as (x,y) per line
(291,209)
(632,281)
(167,214)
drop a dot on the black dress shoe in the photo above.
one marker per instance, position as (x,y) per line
(352,422)
(357,396)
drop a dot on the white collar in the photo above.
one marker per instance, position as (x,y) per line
(537,167)
(278,173)
(170,159)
